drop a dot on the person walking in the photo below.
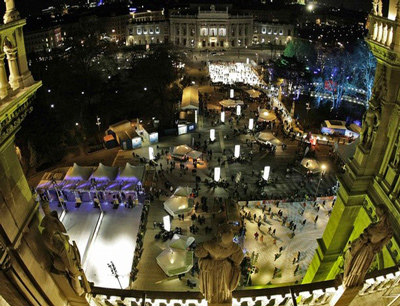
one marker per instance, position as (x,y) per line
(316,219)
(256,234)
(295,270)
(276,256)
(280,249)
(274,242)
(262,238)
(273,232)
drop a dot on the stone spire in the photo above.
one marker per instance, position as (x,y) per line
(11,12)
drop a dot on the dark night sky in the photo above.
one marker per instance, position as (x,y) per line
(351,4)
(34,6)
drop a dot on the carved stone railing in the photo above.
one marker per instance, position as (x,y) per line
(320,293)
(382,31)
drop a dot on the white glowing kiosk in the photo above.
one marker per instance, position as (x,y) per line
(251,123)
(217,174)
(238,110)
(212,134)
(266,172)
(231,93)
(237,151)
(167,223)
(151,153)
(223,116)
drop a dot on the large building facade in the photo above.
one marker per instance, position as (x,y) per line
(208,29)
(372,176)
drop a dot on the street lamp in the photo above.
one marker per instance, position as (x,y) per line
(114,272)
(323,167)
(98,123)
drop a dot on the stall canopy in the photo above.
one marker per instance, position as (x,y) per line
(229,103)
(253,93)
(194,154)
(181,151)
(105,173)
(265,137)
(178,205)
(131,173)
(267,115)
(190,98)
(183,191)
(175,261)
(78,173)
(178,242)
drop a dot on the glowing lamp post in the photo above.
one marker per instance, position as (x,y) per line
(238,110)
(231,93)
(223,117)
(266,172)
(217,174)
(151,153)
(237,151)
(251,123)
(323,167)
(212,134)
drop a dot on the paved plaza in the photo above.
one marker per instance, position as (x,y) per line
(111,236)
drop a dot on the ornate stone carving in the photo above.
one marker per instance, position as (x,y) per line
(66,257)
(372,117)
(219,261)
(363,250)
(5,262)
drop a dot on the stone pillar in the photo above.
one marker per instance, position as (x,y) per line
(15,78)
(21,57)
(11,12)
(4,86)
(237,34)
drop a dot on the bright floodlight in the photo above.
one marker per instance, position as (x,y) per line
(310,7)
(212,134)
(238,110)
(251,123)
(237,151)
(167,223)
(217,174)
(231,93)
(247,60)
(151,153)
(222,116)
(195,116)
(266,173)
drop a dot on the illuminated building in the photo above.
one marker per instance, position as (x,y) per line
(372,175)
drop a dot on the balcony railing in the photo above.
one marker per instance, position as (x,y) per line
(319,293)
(381,30)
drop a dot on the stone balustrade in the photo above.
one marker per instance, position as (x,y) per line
(381,30)
(320,293)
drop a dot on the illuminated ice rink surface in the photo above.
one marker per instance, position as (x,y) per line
(116,242)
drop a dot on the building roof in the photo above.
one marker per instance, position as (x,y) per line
(190,98)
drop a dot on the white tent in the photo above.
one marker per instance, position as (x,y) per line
(183,191)
(267,115)
(194,154)
(131,173)
(190,98)
(178,242)
(77,172)
(229,103)
(181,151)
(265,137)
(311,164)
(105,173)
(175,261)
(253,93)
(178,205)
